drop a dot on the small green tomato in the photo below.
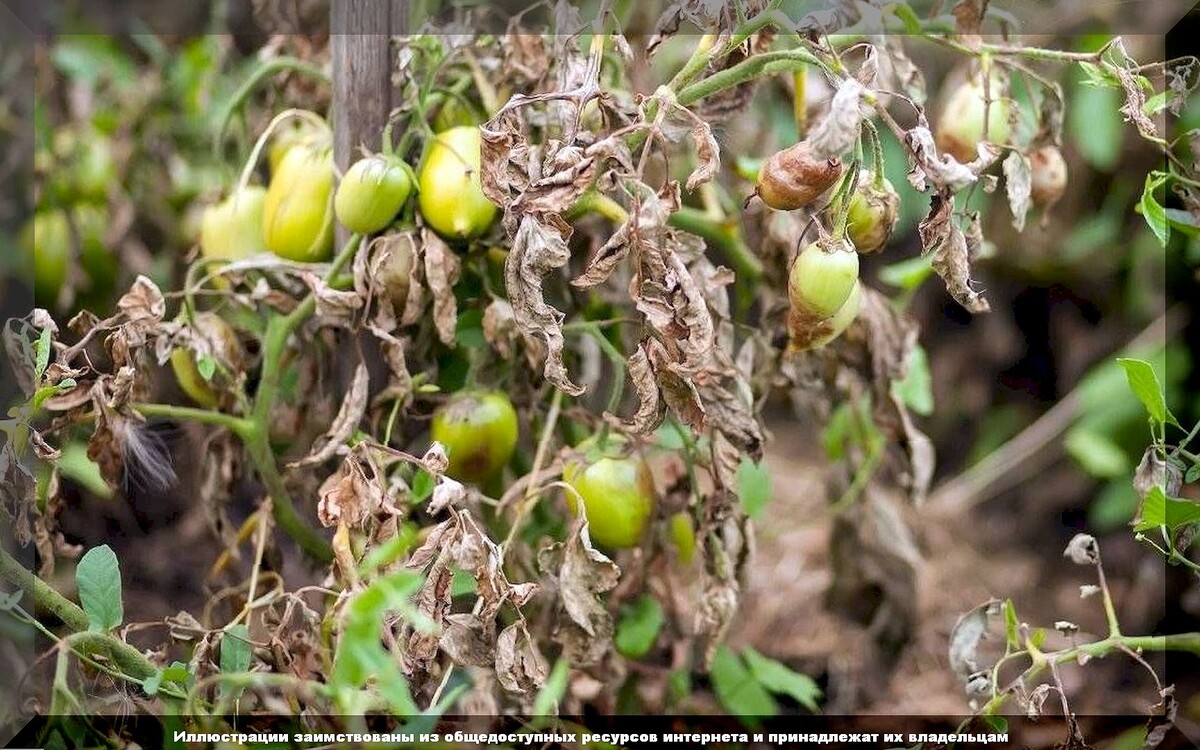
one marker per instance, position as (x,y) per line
(822,278)
(960,128)
(233,228)
(479,431)
(618,496)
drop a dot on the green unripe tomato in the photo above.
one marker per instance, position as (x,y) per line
(233,228)
(618,496)
(872,214)
(960,128)
(810,334)
(47,241)
(298,210)
(222,344)
(371,193)
(450,196)
(479,431)
(86,162)
(822,278)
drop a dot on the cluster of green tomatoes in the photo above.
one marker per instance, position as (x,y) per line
(294,218)
(823,282)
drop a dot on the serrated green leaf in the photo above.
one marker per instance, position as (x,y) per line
(737,690)
(782,680)
(1145,385)
(639,627)
(1096,453)
(98,579)
(754,487)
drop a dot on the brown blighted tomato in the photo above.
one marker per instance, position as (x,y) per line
(794,177)
(617,490)
(298,218)
(1047,176)
(449,192)
(822,278)
(479,431)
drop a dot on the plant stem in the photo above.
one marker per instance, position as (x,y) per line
(768,63)
(42,593)
(128,658)
(256,434)
(238,425)
(269,68)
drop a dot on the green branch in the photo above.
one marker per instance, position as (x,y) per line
(238,425)
(125,656)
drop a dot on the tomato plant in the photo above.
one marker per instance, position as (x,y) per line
(554,435)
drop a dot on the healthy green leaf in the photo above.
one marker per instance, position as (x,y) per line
(640,624)
(754,487)
(906,274)
(1160,510)
(98,578)
(1152,210)
(44,345)
(422,486)
(75,465)
(780,679)
(1145,385)
(206,366)
(1012,632)
(737,690)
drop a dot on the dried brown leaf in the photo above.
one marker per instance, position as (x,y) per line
(538,249)
(520,667)
(838,131)
(941,237)
(348,496)
(1017,183)
(442,268)
(354,406)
